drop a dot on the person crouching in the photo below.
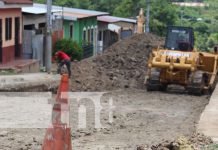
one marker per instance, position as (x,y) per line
(63,59)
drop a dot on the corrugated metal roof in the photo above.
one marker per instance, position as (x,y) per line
(36,10)
(113,19)
(114,28)
(69,12)
(83,11)
(17,1)
(75,15)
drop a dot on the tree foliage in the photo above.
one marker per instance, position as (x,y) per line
(163,14)
(72,48)
(128,8)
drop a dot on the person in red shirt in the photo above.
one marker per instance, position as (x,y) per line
(63,59)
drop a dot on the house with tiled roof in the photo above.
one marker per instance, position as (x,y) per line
(11,29)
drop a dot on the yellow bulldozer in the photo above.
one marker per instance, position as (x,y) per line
(178,63)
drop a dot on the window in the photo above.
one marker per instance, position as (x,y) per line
(84,36)
(42,25)
(29,27)
(71,31)
(175,37)
(92,35)
(8,29)
(89,35)
(100,35)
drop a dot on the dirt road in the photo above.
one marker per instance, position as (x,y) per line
(139,118)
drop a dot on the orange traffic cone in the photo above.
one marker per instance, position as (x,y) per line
(58,137)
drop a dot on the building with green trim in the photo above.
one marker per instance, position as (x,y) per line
(81,26)
(76,29)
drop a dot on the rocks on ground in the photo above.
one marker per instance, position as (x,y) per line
(195,142)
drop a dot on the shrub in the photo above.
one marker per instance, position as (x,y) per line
(71,48)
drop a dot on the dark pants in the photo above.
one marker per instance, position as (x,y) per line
(67,63)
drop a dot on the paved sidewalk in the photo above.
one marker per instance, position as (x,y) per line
(33,82)
(208,123)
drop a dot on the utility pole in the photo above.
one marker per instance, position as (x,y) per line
(148,16)
(48,50)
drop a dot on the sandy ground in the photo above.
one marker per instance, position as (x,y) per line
(139,118)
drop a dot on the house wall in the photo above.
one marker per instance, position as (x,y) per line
(67,28)
(29,19)
(57,35)
(85,24)
(102,27)
(79,26)
(126,25)
(8,50)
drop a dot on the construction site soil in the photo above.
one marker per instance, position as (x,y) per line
(121,66)
(140,119)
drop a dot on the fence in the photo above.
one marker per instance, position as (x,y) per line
(33,46)
(87,50)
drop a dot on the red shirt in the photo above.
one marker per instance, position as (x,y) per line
(61,55)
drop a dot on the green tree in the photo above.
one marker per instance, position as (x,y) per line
(39,1)
(212,40)
(108,5)
(66,3)
(128,8)
(84,4)
(200,41)
(72,48)
(201,27)
(163,14)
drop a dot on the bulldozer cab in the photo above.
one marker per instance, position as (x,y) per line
(179,38)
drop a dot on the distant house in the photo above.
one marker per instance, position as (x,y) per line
(77,24)
(34,17)
(191,4)
(34,26)
(11,29)
(111,29)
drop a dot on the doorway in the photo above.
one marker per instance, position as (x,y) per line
(17,37)
(0,40)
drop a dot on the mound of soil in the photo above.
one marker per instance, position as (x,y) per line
(195,142)
(123,65)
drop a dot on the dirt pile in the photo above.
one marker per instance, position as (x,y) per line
(123,65)
(195,142)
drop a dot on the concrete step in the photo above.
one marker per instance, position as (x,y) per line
(33,82)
